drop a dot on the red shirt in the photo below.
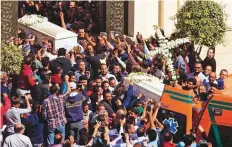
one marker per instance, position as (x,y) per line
(168,144)
(4,108)
(26,80)
(56,79)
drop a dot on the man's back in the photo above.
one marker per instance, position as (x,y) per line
(17,140)
(95,62)
(13,116)
(73,107)
(34,128)
(25,80)
(63,62)
(53,111)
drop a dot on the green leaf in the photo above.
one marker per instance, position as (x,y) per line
(11,58)
(203,21)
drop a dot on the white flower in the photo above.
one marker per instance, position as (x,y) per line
(159,34)
(29,20)
(139,77)
(169,61)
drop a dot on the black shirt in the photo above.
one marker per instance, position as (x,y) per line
(95,62)
(209,61)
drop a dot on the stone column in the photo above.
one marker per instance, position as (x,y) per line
(161,14)
(9,17)
(178,5)
(115,16)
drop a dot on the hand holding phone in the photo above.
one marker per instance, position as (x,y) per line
(102,34)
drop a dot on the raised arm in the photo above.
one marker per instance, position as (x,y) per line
(130,57)
(28,109)
(129,94)
(89,40)
(62,20)
(153,117)
(119,60)
(94,134)
(108,43)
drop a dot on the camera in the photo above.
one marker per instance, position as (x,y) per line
(101,129)
(79,86)
(122,116)
(117,34)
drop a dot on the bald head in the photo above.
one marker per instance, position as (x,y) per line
(212,77)
(19,128)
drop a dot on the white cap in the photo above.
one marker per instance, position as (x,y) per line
(73,85)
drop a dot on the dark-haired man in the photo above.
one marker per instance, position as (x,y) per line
(53,111)
(34,126)
(81,69)
(12,116)
(179,64)
(209,60)
(95,63)
(105,74)
(108,103)
(61,60)
(198,73)
(117,72)
(26,81)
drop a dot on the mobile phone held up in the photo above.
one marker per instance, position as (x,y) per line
(103,34)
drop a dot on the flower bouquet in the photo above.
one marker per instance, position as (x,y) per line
(140,77)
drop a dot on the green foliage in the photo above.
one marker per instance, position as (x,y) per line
(202,21)
(11,59)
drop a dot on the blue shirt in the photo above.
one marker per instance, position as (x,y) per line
(34,128)
(180,64)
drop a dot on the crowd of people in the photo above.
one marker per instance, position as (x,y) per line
(77,98)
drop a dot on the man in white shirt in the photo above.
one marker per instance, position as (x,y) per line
(207,71)
(18,139)
(87,114)
(105,73)
(12,116)
(198,74)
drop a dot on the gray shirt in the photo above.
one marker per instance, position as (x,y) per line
(12,117)
(17,140)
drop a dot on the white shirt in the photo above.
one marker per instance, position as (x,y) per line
(87,115)
(201,76)
(106,78)
(50,56)
(17,140)
(13,117)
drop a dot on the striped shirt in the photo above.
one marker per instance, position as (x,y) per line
(53,110)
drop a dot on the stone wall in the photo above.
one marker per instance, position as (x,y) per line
(115,16)
(9,17)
